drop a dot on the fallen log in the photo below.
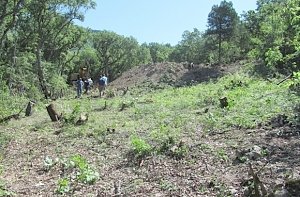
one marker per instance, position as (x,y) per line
(13,116)
(286,78)
(8,118)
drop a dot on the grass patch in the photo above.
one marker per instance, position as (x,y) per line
(251,101)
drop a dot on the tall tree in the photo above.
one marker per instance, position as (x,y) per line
(222,22)
(160,52)
(116,53)
(50,21)
(9,10)
(276,40)
(190,48)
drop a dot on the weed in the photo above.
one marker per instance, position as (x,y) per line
(140,147)
(48,163)
(219,187)
(294,84)
(63,186)
(71,118)
(180,152)
(110,93)
(74,165)
(126,104)
(264,152)
(221,154)
(164,134)
(167,144)
(202,188)
(242,159)
(85,173)
(210,122)
(166,185)
(205,147)
(3,191)
(4,139)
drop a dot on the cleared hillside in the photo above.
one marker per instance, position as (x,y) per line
(167,142)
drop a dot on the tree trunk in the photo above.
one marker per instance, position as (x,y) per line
(52,113)
(219,49)
(40,71)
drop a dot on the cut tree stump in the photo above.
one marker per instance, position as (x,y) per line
(29,108)
(223,102)
(52,113)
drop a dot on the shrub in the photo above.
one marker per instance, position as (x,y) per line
(58,86)
(63,186)
(86,174)
(140,147)
(71,118)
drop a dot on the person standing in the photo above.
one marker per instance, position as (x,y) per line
(79,84)
(87,85)
(102,84)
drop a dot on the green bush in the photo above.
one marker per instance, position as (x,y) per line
(58,86)
(10,104)
(140,147)
(71,117)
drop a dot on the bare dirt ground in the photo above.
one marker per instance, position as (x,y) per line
(206,171)
(178,74)
(217,163)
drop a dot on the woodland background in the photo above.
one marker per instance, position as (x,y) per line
(40,46)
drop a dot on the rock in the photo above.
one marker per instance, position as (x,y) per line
(254,153)
(82,119)
(293,187)
(281,193)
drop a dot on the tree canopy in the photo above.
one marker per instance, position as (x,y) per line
(39,40)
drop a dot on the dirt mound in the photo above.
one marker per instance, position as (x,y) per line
(170,73)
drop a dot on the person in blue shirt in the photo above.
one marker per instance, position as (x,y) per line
(79,85)
(102,84)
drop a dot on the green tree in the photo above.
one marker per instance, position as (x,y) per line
(222,22)
(117,53)
(143,54)
(49,24)
(188,48)
(159,52)
(9,11)
(276,40)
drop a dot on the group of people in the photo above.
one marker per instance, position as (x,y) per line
(88,83)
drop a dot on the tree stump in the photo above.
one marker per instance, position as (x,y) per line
(52,113)
(223,102)
(29,108)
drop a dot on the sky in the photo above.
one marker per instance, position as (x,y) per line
(161,21)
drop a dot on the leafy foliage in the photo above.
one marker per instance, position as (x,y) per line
(222,22)
(140,147)
(63,186)
(116,53)
(71,118)
(85,173)
(75,165)
(275,39)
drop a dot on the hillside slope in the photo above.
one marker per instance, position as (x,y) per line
(170,73)
(170,142)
